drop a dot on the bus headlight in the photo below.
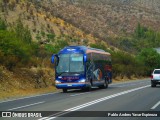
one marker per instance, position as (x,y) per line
(57,82)
(82,80)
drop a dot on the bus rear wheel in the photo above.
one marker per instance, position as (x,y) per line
(105,85)
(64,90)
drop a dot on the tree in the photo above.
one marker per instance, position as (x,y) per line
(140,31)
(15,51)
(150,58)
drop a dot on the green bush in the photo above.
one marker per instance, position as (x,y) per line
(3,25)
(150,58)
(16,46)
(13,49)
(125,64)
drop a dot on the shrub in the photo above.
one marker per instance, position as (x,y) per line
(3,25)
(150,58)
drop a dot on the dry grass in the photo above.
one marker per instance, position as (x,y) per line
(40,20)
(24,82)
(17,93)
(125,79)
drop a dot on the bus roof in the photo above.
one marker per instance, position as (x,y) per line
(82,49)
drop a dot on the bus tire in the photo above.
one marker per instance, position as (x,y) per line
(64,90)
(88,89)
(105,85)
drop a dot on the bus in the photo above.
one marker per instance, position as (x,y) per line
(81,67)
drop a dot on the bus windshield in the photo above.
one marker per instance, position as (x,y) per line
(70,63)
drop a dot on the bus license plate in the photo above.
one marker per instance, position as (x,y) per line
(69,85)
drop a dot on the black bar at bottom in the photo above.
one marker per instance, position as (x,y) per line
(39,114)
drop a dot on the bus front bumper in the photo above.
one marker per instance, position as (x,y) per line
(71,85)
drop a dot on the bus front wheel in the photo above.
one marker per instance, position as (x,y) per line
(64,90)
(88,88)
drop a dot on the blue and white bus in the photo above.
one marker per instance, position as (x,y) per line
(81,67)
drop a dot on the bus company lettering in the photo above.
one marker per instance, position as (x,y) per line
(70,78)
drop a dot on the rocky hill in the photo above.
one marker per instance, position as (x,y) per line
(42,24)
(106,18)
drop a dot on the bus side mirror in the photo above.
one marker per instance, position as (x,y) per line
(52,59)
(85,58)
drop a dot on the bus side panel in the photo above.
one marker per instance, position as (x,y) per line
(98,71)
(100,65)
(98,68)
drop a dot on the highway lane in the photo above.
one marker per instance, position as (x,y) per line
(139,97)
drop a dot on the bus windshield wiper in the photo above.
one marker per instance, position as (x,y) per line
(62,73)
(70,73)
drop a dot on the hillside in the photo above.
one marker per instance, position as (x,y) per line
(42,24)
(106,18)
(84,22)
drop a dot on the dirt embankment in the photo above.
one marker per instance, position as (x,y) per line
(24,81)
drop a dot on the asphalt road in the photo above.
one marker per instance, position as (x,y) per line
(122,97)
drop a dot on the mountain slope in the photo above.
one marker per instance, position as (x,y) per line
(42,23)
(106,18)
(84,22)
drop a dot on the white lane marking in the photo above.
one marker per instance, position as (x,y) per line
(156,105)
(28,97)
(92,102)
(79,94)
(47,118)
(51,118)
(104,98)
(26,106)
